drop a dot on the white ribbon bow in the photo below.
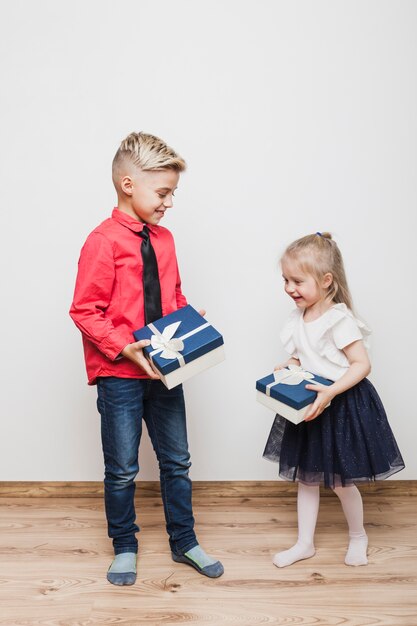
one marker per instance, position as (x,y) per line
(294,375)
(168,347)
(164,341)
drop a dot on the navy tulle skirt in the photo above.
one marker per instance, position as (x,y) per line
(351,441)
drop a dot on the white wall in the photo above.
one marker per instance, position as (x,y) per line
(293,116)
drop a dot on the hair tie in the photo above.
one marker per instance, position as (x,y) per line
(320,235)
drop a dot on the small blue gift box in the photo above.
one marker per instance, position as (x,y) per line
(284,392)
(183,344)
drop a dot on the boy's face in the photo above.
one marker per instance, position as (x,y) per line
(148,194)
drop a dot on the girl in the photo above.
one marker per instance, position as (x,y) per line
(350,440)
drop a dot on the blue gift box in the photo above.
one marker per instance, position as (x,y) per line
(183,344)
(284,392)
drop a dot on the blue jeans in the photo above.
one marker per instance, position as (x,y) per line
(122,403)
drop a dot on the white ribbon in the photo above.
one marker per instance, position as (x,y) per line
(168,346)
(294,375)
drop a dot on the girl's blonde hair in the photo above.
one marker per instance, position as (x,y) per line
(318,255)
(146,152)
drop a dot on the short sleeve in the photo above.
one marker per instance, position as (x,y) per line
(345,332)
(345,328)
(340,329)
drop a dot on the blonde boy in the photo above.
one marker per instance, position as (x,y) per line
(115,294)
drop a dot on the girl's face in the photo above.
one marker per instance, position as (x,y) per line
(303,287)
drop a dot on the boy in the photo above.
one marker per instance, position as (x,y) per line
(128,277)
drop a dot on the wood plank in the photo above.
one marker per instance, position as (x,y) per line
(220,489)
(54,553)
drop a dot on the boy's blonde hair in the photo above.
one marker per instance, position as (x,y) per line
(318,255)
(145,152)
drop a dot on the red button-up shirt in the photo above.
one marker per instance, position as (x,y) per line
(108,299)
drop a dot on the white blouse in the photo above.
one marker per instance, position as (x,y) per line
(318,344)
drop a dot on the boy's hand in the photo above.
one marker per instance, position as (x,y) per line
(324,396)
(134,352)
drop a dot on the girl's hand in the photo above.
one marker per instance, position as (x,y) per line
(359,367)
(325,395)
(291,361)
(280,366)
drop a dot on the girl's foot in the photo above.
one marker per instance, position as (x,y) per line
(356,554)
(297,553)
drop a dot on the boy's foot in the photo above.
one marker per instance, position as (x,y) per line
(122,571)
(356,554)
(297,553)
(197,558)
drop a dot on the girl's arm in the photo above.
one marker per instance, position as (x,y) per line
(359,368)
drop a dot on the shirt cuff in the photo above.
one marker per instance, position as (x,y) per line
(114,343)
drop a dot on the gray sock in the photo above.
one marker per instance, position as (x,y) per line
(122,571)
(204,564)
(199,557)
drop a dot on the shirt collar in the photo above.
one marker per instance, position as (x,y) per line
(132,223)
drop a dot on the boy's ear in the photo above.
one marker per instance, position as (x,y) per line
(126,185)
(327,280)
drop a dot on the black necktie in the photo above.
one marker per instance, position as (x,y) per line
(151,286)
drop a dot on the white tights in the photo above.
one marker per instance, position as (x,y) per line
(308,501)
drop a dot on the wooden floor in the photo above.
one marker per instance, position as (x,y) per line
(54,553)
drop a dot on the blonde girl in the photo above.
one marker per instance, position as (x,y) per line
(348,440)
